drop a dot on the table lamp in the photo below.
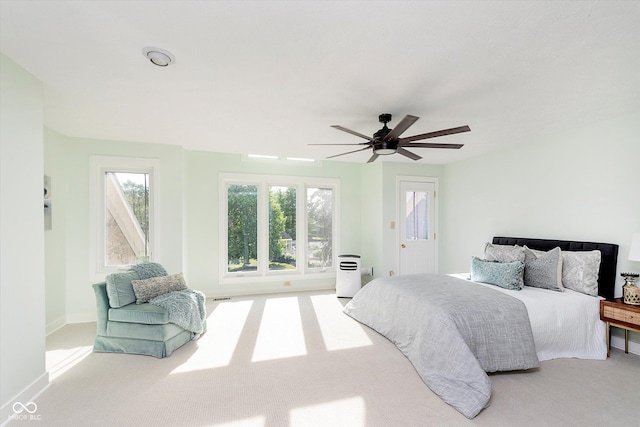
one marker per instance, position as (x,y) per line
(630,292)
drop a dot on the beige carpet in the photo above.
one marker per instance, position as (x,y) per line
(296,360)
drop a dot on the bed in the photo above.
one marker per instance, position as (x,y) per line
(455,331)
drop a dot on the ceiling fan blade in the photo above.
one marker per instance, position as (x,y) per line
(435,134)
(432,145)
(352,132)
(408,154)
(373,158)
(348,152)
(359,143)
(401,127)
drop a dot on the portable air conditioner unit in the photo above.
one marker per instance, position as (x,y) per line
(348,278)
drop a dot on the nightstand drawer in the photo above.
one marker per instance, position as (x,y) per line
(615,313)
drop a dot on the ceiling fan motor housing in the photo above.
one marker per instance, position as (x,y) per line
(384,118)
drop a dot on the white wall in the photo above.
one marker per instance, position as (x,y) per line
(581,185)
(55,265)
(202,217)
(22,300)
(68,243)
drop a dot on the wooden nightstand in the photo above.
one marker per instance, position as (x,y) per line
(625,316)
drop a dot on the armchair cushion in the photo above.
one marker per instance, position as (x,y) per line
(140,313)
(120,289)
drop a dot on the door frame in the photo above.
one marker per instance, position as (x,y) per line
(398,238)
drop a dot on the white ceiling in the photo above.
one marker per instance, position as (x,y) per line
(270,77)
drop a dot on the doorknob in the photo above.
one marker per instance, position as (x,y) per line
(403,246)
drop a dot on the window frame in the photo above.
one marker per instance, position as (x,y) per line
(263,183)
(99,165)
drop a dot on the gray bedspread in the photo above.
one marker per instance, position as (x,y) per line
(451,330)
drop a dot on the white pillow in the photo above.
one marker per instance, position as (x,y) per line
(580,271)
(503,253)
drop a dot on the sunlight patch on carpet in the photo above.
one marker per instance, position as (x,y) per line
(349,412)
(217,345)
(338,331)
(281,333)
(60,361)
(247,422)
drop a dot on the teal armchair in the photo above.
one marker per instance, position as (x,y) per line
(136,328)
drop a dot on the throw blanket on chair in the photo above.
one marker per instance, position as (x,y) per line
(186,308)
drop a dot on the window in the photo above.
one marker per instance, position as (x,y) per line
(319,227)
(123,214)
(417,215)
(127,218)
(282,228)
(269,226)
(242,220)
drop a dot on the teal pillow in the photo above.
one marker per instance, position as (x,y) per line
(147,270)
(507,275)
(120,289)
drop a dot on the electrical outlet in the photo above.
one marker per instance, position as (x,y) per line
(393,225)
(287,283)
(390,272)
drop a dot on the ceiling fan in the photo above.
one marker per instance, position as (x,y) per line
(387,141)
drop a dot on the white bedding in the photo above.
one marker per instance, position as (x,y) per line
(564,324)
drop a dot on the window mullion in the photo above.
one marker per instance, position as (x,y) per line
(263,229)
(303,245)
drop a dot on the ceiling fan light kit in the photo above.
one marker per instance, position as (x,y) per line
(387,141)
(159,57)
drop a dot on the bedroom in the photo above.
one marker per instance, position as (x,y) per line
(579,182)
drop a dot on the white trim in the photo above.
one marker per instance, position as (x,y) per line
(421,179)
(98,165)
(618,342)
(262,274)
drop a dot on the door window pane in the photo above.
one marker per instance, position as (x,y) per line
(242,220)
(417,211)
(282,228)
(127,218)
(319,227)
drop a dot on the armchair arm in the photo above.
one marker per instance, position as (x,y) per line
(102,302)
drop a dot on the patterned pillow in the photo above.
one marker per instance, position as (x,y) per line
(507,275)
(503,253)
(150,288)
(580,271)
(147,270)
(543,269)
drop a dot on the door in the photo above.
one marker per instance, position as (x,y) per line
(417,232)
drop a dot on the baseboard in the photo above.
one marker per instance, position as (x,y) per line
(82,317)
(618,342)
(51,327)
(25,408)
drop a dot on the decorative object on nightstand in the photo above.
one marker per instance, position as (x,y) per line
(630,292)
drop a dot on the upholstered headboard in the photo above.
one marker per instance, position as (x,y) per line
(609,251)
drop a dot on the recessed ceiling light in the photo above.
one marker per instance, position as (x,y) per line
(159,57)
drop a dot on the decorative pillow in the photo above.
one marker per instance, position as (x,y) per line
(543,270)
(580,271)
(147,270)
(150,288)
(119,288)
(507,275)
(503,253)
